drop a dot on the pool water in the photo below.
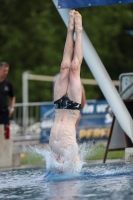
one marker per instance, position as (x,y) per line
(101,181)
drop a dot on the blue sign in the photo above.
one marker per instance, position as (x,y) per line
(47,112)
(95,114)
(87,3)
(95,121)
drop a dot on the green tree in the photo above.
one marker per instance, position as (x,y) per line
(32,37)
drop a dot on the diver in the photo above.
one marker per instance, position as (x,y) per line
(67,94)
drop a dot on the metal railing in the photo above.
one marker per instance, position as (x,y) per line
(127,93)
(126,85)
(26,118)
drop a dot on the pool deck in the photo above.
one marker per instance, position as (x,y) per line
(92,162)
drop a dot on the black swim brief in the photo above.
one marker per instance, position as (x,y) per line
(66,103)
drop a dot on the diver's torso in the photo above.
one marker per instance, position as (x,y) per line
(63,132)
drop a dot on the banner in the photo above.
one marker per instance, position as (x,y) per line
(95,121)
(87,3)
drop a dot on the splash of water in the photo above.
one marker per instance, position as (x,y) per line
(66,163)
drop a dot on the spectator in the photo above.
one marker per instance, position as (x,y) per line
(6,89)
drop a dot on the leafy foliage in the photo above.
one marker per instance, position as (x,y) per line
(32,37)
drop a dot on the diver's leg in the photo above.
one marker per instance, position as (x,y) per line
(74,86)
(61,84)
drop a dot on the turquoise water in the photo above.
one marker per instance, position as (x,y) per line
(101,181)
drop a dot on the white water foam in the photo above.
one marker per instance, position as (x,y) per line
(66,163)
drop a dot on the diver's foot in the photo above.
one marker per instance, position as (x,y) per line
(71,21)
(78,22)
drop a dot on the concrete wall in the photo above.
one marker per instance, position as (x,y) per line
(6,150)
